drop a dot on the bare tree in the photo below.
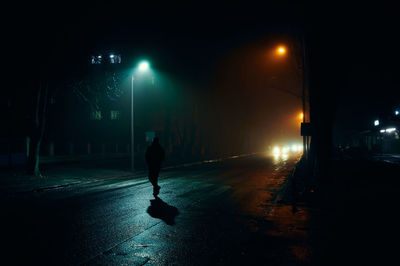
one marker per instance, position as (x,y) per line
(37,128)
(91,90)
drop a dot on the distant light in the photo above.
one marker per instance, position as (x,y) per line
(143,66)
(281,50)
(285,150)
(294,148)
(390,130)
(301,115)
(99,56)
(111,56)
(276,150)
(382,130)
(376,123)
(300,147)
(396,112)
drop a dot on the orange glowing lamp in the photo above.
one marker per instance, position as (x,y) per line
(281,50)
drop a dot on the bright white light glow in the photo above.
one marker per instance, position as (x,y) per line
(280,151)
(376,122)
(300,147)
(285,150)
(111,56)
(143,66)
(396,112)
(99,56)
(281,50)
(294,148)
(382,131)
(390,130)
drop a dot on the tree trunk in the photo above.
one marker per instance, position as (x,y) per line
(37,131)
(33,159)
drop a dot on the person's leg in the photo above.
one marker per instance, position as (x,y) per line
(153,178)
(156,186)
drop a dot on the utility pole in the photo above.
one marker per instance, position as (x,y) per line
(303,94)
(132,128)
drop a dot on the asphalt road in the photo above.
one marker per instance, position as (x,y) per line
(216,213)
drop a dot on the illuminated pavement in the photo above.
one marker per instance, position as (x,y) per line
(217,213)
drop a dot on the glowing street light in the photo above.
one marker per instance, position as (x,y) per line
(376,122)
(143,66)
(281,50)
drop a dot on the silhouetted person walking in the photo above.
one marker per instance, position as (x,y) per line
(154,156)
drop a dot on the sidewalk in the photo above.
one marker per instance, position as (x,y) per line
(15,182)
(353,211)
(64,171)
(83,157)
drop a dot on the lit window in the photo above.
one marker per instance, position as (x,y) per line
(96,59)
(115,59)
(114,115)
(109,59)
(96,115)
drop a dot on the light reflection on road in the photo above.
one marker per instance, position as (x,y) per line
(278,158)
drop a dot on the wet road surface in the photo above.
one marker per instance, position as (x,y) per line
(218,213)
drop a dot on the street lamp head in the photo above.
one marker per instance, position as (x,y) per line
(281,50)
(143,66)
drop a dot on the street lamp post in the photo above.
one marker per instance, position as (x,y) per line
(142,67)
(281,51)
(132,128)
(303,94)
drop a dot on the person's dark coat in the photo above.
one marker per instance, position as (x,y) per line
(155,155)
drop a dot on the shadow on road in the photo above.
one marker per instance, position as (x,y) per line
(161,210)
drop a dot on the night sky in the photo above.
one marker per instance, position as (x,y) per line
(220,48)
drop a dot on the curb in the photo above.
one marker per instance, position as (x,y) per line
(209,161)
(286,193)
(135,174)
